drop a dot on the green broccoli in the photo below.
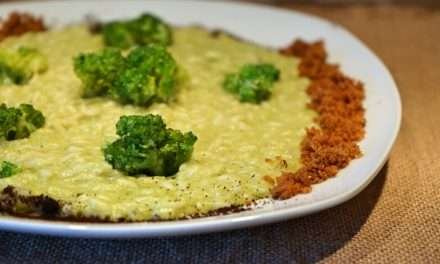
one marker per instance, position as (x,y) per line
(18,123)
(253,82)
(147,147)
(117,34)
(140,31)
(97,71)
(8,169)
(18,66)
(148,29)
(150,76)
(133,86)
(8,75)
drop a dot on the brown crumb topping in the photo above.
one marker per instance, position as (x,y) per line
(338,101)
(19,23)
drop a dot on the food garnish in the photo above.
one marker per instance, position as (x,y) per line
(18,123)
(98,70)
(337,99)
(140,31)
(148,74)
(17,24)
(253,83)
(146,146)
(18,66)
(8,169)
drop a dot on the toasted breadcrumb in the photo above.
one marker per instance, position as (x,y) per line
(338,101)
(19,23)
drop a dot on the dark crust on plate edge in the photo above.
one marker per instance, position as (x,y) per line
(41,206)
(324,150)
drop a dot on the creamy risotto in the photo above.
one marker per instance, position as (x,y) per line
(64,159)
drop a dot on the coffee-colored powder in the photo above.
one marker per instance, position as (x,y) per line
(338,101)
(19,23)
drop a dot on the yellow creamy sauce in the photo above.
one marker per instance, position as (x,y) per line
(64,159)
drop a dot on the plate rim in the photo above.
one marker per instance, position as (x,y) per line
(205,224)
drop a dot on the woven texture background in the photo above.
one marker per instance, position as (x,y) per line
(396,219)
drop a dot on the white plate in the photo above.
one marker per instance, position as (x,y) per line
(270,27)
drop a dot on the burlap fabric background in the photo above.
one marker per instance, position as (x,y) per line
(394,220)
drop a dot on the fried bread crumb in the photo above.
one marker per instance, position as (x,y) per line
(19,23)
(338,101)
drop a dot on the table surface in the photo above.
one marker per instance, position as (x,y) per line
(395,219)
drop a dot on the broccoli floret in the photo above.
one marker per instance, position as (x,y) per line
(133,86)
(150,29)
(8,169)
(150,76)
(18,66)
(97,71)
(17,123)
(117,34)
(9,118)
(150,126)
(143,30)
(146,146)
(252,83)
(8,75)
